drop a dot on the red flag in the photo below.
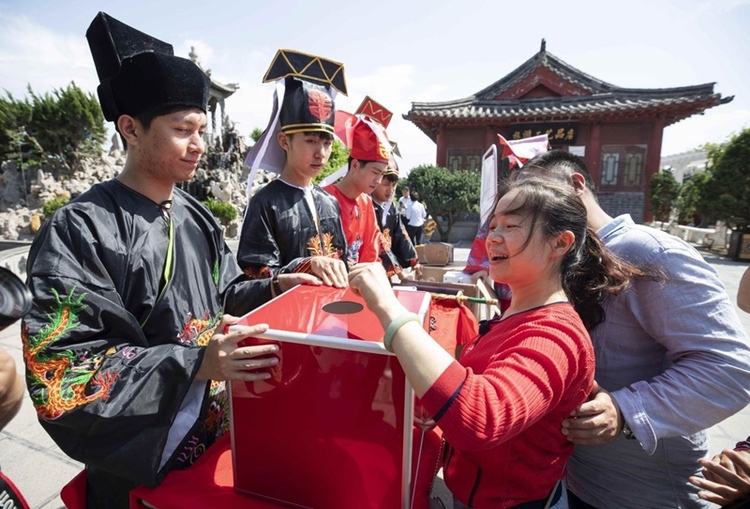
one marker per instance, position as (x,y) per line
(520,151)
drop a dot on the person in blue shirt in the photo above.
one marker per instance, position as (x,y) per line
(672,359)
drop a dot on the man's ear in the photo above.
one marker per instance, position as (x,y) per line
(579,183)
(128,127)
(283,141)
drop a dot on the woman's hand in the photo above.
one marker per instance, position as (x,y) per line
(370,281)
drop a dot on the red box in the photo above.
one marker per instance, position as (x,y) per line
(332,427)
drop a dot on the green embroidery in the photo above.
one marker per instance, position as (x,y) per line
(61,381)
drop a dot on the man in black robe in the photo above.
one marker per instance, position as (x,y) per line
(126,346)
(292,225)
(397,251)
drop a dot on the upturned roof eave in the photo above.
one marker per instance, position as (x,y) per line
(673,113)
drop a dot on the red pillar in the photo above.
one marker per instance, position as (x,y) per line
(442,151)
(653,158)
(593,156)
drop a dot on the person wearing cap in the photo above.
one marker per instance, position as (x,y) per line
(369,155)
(291,225)
(127,345)
(397,251)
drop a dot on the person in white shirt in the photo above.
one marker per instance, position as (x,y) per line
(416,216)
(404,203)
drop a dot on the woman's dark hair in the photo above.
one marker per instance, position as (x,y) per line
(414,196)
(589,271)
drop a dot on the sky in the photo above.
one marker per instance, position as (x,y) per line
(400,52)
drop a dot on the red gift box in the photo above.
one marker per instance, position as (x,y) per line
(332,427)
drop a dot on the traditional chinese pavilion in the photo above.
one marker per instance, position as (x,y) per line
(217,96)
(617,130)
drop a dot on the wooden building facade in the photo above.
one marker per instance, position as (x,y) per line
(617,130)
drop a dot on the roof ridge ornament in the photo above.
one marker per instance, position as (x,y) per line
(543,49)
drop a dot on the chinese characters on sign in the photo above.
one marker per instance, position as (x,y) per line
(559,133)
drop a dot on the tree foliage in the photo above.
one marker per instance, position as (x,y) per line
(446,193)
(50,206)
(65,126)
(223,211)
(256,134)
(691,199)
(663,194)
(726,194)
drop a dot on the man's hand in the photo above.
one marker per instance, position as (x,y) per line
(289,281)
(480,274)
(415,274)
(330,270)
(225,360)
(727,477)
(417,269)
(597,421)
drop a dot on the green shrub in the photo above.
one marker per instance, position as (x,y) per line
(223,211)
(52,205)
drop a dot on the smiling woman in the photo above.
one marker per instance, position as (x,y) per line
(515,384)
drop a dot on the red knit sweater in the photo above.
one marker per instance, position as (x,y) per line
(502,407)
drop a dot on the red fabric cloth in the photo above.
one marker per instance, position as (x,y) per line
(424,465)
(360,226)
(209,482)
(451,324)
(73,494)
(501,411)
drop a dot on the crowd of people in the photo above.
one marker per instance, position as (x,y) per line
(583,393)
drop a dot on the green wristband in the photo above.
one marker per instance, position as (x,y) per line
(395,325)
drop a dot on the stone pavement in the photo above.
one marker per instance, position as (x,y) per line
(38,467)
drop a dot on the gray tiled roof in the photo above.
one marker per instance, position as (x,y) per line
(605,99)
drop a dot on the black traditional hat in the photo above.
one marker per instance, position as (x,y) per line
(138,73)
(308,101)
(306,86)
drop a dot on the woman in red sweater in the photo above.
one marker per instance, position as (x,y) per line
(501,407)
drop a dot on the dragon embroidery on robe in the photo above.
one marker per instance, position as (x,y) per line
(62,381)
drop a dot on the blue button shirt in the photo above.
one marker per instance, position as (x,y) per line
(676,359)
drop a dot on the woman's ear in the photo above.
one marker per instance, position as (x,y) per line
(127,126)
(562,244)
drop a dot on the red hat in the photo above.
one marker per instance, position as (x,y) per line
(375,111)
(365,138)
